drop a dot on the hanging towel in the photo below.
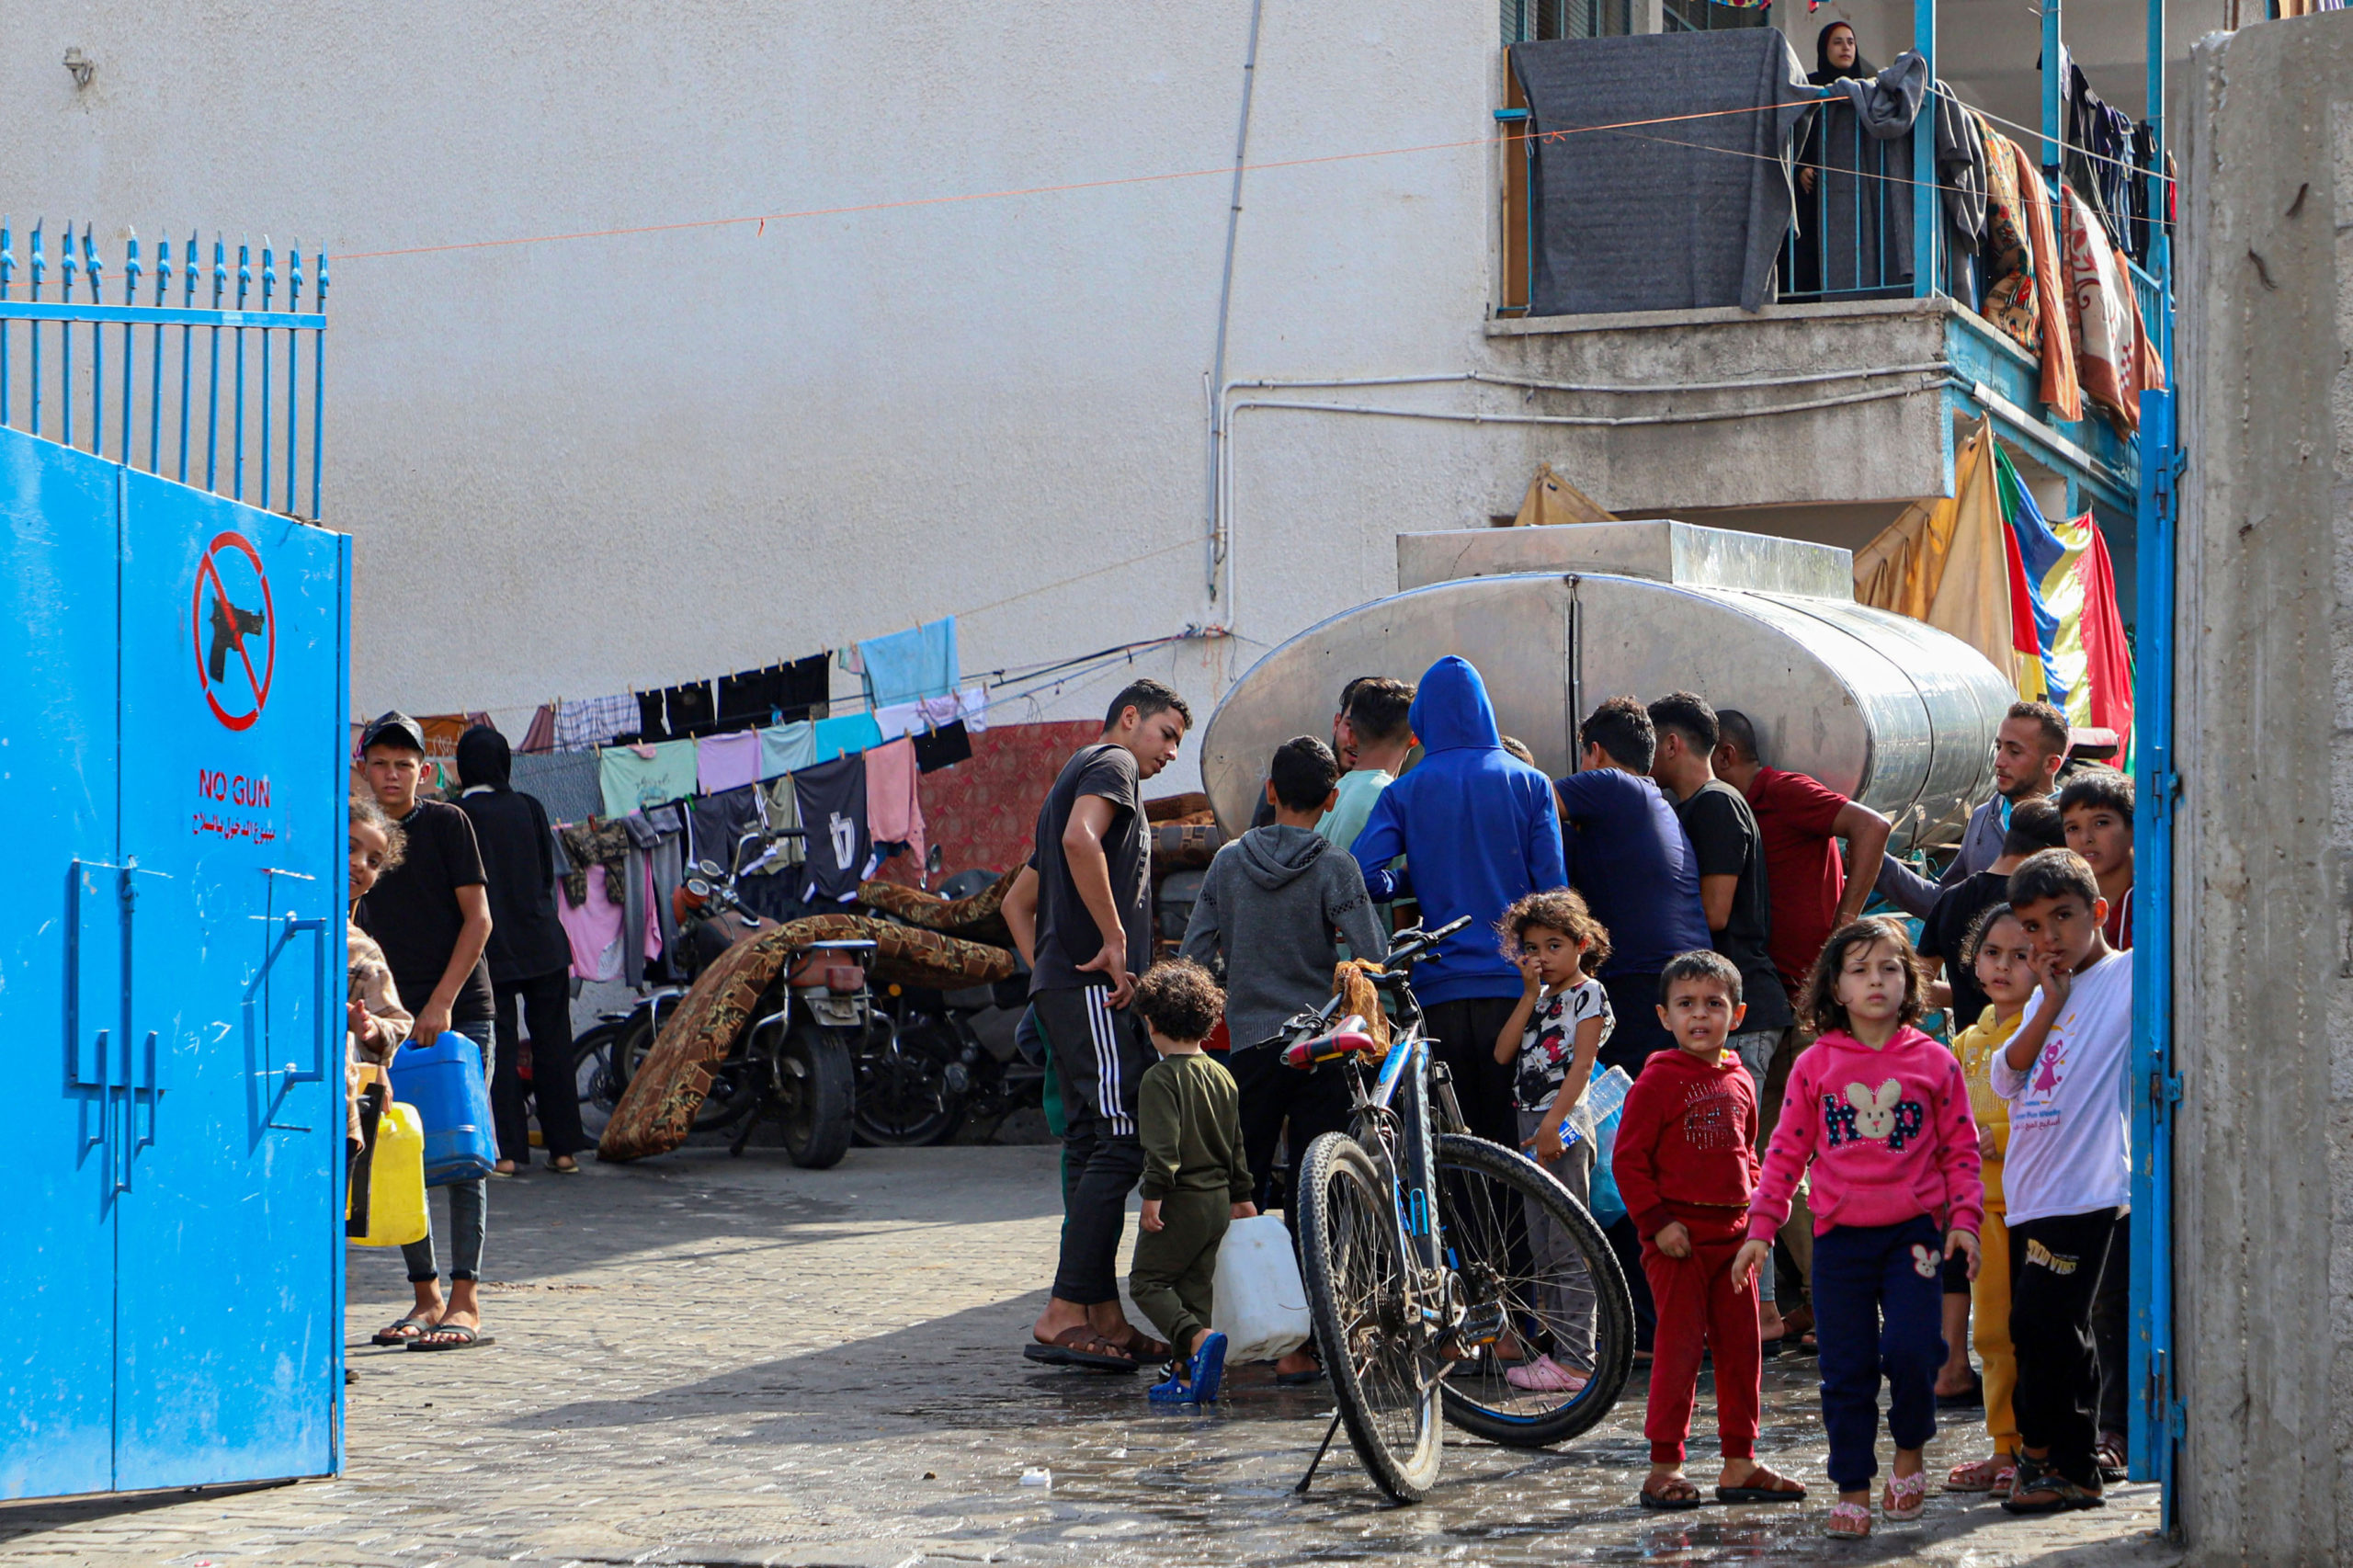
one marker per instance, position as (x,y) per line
(893,808)
(943,747)
(634,778)
(2061,389)
(788,748)
(833,807)
(849,734)
(540,737)
(905,718)
(728,761)
(906,665)
(584,721)
(2102,315)
(562,781)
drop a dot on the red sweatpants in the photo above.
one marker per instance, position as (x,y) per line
(1699,1308)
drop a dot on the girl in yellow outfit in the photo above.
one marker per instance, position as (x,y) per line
(1996,950)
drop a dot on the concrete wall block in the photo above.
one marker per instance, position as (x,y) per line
(2264,642)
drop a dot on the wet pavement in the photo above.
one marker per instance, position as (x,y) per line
(705,1361)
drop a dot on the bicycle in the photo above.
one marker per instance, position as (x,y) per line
(1421,1277)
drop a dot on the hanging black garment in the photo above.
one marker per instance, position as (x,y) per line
(832,809)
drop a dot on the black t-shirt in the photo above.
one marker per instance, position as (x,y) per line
(832,797)
(1725,843)
(1946,926)
(518,873)
(412,910)
(1067,934)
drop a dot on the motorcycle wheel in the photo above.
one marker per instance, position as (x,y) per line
(813,1091)
(731,1094)
(599,1086)
(912,1085)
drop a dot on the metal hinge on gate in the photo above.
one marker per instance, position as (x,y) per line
(2164,784)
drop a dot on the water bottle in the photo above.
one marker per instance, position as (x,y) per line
(1607,1093)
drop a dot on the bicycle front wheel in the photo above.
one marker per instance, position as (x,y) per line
(1384,1370)
(1537,1273)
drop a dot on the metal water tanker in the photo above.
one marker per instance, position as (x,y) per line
(1879,707)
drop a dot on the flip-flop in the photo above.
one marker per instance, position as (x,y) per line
(390,1333)
(572,1169)
(1142,1346)
(1081,1348)
(474,1339)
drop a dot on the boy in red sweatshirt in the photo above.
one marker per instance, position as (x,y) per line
(1685,1168)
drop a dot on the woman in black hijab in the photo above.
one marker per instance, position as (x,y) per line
(1835,54)
(529,955)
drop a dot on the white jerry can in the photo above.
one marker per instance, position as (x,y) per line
(1261,1304)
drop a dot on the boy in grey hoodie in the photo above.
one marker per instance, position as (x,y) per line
(1270,913)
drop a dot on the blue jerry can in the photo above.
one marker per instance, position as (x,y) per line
(444,1082)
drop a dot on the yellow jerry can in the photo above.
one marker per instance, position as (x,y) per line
(396,1191)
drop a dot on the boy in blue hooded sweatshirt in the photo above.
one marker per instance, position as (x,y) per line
(1480,830)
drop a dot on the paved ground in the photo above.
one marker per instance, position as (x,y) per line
(710,1361)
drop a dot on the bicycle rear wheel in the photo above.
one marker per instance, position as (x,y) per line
(1535,1269)
(1384,1373)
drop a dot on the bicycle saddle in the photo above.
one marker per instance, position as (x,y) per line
(1349,1035)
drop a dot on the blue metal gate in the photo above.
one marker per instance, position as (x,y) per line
(171,759)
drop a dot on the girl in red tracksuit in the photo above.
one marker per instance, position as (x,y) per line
(1685,1169)
(1880,1113)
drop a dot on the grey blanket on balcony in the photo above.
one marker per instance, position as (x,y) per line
(1677,215)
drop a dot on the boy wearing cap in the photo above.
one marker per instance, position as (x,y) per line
(431,916)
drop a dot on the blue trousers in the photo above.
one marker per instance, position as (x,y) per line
(1876,1313)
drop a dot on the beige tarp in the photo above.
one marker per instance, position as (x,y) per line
(1943,562)
(1552,499)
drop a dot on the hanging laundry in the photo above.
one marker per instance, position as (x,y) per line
(634,778)
(660,836)
(905,718)
(907,666)
(727,761)
(2060,390)
(689,709)
(593,928)
(833,808)
(598,855)
(2012,302)
(582,723)
(787,748)
(652,719)
(783,805)
(2034,550)
(562,781)
(2102,316)
(849,734)
(943,747)
(540,737)
(749,698)
(716,825)
(805,687)
(973,703)
(894,806)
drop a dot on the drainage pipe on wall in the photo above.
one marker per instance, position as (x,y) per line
(1225,296)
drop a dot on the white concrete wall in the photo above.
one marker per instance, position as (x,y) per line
(2264,655)
(580,465)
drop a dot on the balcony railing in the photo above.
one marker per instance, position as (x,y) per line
(1853,234)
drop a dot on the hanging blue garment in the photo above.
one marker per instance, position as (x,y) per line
(850,734)
(908,666)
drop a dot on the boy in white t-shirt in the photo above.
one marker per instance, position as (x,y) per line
(2066,1173)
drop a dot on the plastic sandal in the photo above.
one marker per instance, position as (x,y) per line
(1176,1390)
(1672,1498)
(1978,1475)
(1849,1521)
(1208,1369)
(1545,1375)
(390,1333)
(467,1338)
(1906,1497)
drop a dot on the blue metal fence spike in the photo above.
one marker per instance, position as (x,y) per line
(91,268)
(318,388)
(213,394)
(268,287)
(40,265)
(66,338)
(237,448)
(293,303)
(130,297)
(188,268)
(155,357)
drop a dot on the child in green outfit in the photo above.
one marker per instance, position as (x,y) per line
(1196,1181)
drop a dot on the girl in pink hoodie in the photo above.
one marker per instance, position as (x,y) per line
(1880,1114)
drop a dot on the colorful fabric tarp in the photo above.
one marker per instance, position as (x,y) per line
(2103,318)
(1945,563)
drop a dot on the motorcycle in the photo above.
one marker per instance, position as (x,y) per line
(924,1073)
(793,1064)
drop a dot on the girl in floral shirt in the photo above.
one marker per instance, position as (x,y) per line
(1550,1041)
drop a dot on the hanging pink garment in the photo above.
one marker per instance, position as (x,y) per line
(594,929)
(893,809)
